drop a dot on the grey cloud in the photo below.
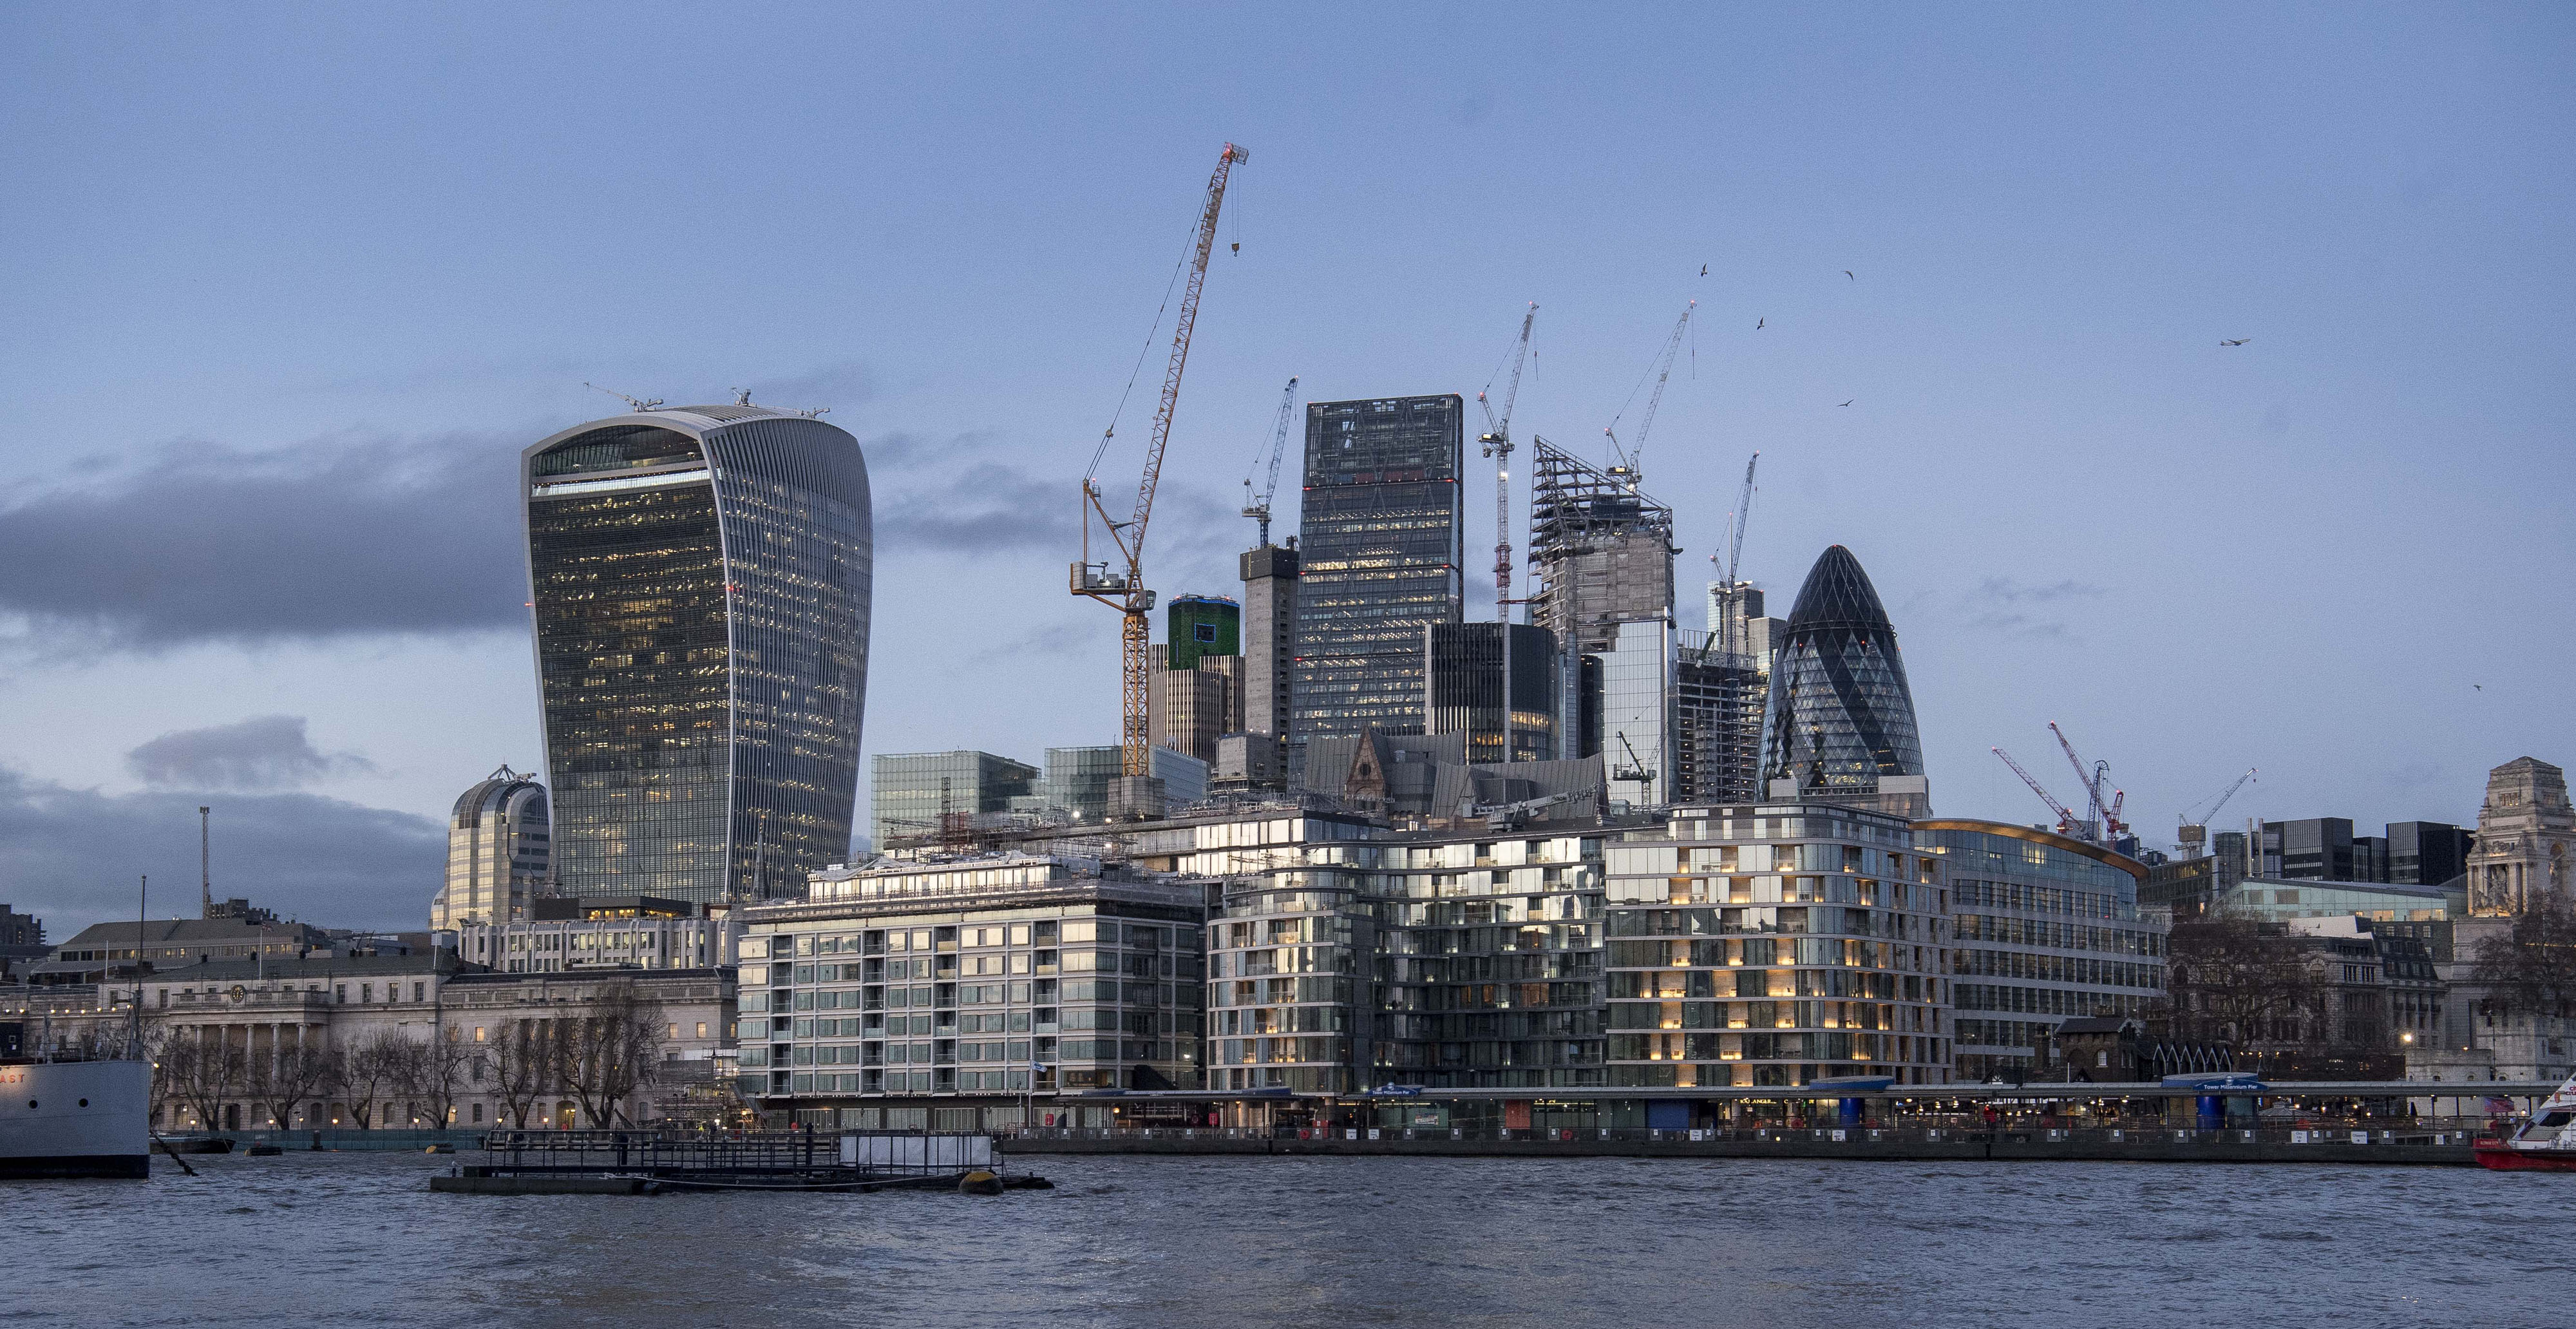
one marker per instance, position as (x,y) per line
(264,752)
(1061,638)
(2007,591)
(357,535)
(2021,627)
(71,856)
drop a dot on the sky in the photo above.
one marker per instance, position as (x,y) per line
(284,289)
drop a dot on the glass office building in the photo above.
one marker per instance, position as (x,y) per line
(2043,929)
(700,589)
(1839,723)
(909,792)
(1776,944)
(1495,683)
(499,848)
(1381,557)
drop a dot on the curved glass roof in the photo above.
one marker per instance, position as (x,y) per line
(1840,713)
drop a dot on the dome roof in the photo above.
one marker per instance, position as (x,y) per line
(493,794)
(1838,593)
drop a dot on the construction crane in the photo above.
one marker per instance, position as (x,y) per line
(2066,821)
(1730,625)
(1631,458)
(2194,831)
(1258,507)
(1125,590)
(1636,771)
(1497,442)
(2105,810)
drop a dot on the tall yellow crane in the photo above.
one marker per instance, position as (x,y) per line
(1124,590)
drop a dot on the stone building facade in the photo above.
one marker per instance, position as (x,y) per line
(2525,848)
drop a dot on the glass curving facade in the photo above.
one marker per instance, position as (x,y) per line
(1840,716)
(1776,944)
(1381,556)
(2043,929)
(700,588)
(499,847)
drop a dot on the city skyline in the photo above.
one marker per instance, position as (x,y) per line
(2189,554)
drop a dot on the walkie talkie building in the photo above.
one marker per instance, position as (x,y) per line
(700,579)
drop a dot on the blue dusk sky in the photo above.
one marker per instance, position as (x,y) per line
(287,288)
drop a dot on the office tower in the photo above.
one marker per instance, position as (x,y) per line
(499,846)
(2426,853)
(1077,779)
(1269,637)
(1495,683)
(2021,970)
(1721,679)
(2312,849)
(1201,625)
(1839,724)
(1189,708)
(700,580)
(917,796)
(1601,564)
(1381,556)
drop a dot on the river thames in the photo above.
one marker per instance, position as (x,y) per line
(358,1239)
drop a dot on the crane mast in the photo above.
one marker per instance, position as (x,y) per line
(1125,591)
(1258,508)
(2065,817)
(1730,626)
(1498,445)
(2105,808)
(1632,459)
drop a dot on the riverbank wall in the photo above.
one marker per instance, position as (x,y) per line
(2440,1149)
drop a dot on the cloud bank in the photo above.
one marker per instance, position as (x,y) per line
(264,752)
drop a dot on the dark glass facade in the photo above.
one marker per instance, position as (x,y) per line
(1381,558)
(700,589)
(1840,715)
(1503,700)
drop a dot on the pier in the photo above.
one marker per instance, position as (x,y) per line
(646,1162)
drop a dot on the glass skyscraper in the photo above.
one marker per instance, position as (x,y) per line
(1381,558)
(1839,724)
(700,580)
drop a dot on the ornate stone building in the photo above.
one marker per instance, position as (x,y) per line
(2526,839)
(2520,862)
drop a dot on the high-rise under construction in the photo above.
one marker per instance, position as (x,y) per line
(1381,558)
(1601,555)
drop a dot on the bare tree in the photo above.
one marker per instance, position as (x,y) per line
(524,1066)
(369,1068)
(287,1078)
(431,1071)
(2530,969)
(614,1051)
(2230,979)
(202,1074)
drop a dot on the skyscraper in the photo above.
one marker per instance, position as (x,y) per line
(1495,683)
(1720,683)
(499,848)
(1269,637)
(912,796)
(701,587)
(1601,558)
(1382,557)
(1839,725)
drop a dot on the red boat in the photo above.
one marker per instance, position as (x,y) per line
(2544,1143)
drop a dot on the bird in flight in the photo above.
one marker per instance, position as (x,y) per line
(1847,403)
(2479,686)
(2238,342)
(1703,269)
(1757,324)
(1847,273)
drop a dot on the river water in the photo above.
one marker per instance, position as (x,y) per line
(334,1239)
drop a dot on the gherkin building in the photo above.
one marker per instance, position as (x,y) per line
(1840,718)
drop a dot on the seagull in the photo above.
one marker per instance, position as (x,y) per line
(1757,324)
(2479,686)
(1703,269)
(1847,403)
(2238,342)
(1847,273)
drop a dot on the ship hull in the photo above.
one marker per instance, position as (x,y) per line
(2506,1158)
(75,1119)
